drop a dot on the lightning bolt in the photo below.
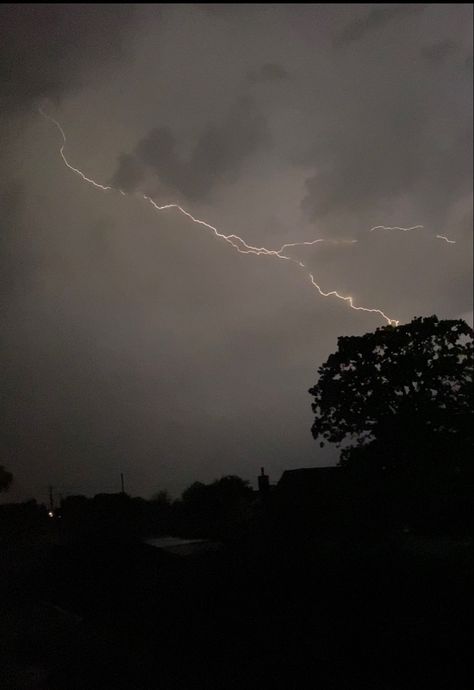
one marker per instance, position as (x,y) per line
(443,237)
(238,243)
(395,227)
(309,244)
(414,227)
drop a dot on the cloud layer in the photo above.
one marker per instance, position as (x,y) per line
(217,156)
(48,50)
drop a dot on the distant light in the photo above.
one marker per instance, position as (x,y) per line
(50,513)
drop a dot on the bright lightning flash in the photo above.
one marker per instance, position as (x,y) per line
(395,227)
(239,244)
(443,237)
(414,227)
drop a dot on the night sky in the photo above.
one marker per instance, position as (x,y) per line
(135,341)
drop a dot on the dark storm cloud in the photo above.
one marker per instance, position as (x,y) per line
(438,52)
(158,150)
(129,174)
(376,19)
(408,132)
(217,157)
(353,168)
(46,49)
(269,72)
(355,173)
(222,148)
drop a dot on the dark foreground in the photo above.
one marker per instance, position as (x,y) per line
(390,613)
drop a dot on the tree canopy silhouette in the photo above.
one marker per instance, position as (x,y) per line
(6,479)
(218,508)
(399,396)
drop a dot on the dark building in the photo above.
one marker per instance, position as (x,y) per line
(335,500)
(314,500)
(311,481)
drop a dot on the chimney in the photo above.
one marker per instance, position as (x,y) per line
(263,482)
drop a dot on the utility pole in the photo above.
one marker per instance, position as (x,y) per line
(51,500)
(122,482)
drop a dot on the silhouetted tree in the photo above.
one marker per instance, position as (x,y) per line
(161,498)
(399,397)
(160,511)
(216,509)
(6,479)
